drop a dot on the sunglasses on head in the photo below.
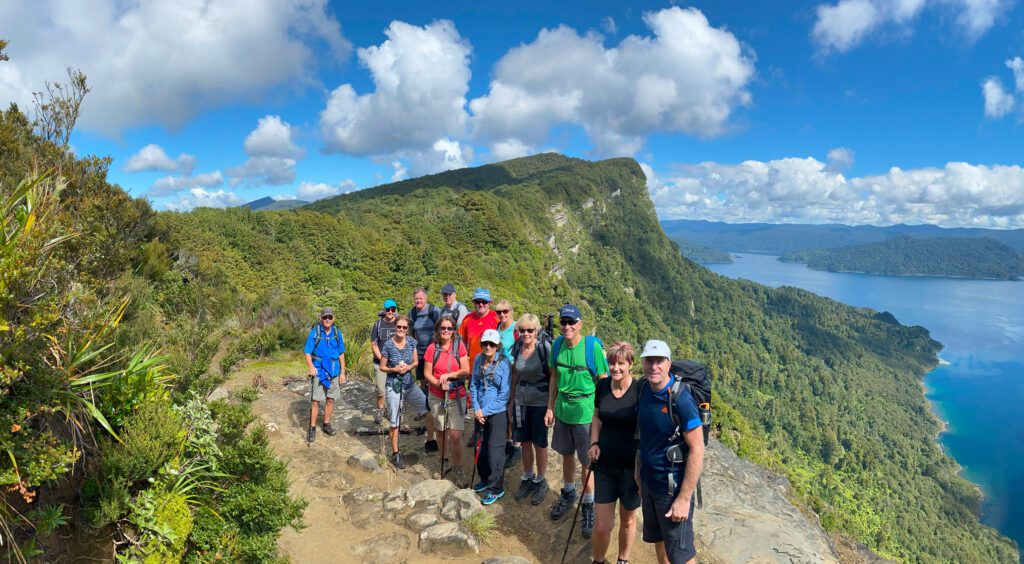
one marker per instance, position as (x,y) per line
(327,317)
(392,309)
(488,345)
(565,321)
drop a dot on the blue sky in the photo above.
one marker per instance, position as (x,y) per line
(854,111)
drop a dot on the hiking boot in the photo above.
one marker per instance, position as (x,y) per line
(513,457)
(565,501)
(480,486)
(587,528)
(328,430)
(492,496)
(311,435)
(396,460)
(525,487)
(378,415)
(430,446)
(540,490)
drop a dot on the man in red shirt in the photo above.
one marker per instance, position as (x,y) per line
(473,326)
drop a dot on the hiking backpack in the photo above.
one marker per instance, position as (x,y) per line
(692,376)
(432,312)
(590,345)
(320,335)
(456,341)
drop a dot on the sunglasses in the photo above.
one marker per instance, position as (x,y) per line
(530,330)
(402,327)
(488,345)
(447,329)
(392,309)
(327,317)
(565,322)
(480,303)
(503,311)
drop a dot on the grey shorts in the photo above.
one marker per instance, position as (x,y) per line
(566,439)
(410,393)
(379,378)
(319,393)
(456,413)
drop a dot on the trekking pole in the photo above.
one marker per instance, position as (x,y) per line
(586,479)
(311,384)
(444,429)
(476,451)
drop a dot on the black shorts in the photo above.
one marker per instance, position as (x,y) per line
(528,425)
(678,537)
(616,484)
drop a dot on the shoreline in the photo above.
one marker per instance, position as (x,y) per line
(943,428)
(909,275)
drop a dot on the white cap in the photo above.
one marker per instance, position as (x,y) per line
(656,348)
(491,336)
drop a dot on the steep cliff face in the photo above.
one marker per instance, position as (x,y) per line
(825,394)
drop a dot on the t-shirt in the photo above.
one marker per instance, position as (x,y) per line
(508,338)
(618,424)
(473,328)
(395,356)
(325,353)
(656,427)
(532,379)
(446,364)
(575,403)
(421,325)
(382,332)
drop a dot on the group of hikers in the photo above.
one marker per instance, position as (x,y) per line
(639,442)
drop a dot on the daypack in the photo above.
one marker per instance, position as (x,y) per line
(456,341)
(691,376)
(543,345)
(455,312)
(589,343)
(320,335)
(432,312)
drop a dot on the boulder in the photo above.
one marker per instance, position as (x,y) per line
(422,520)
(429,492)
(383,549)
(448,539)
(365,461)
(395,500)
(460,504)
(219,393)
(362,495)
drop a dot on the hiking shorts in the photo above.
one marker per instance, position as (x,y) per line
(409,393)
(678,537)
(379,378)
(616,484)
(456,413)
(566,439)
(320,394)
(528,425)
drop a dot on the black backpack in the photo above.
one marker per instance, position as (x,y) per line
(692,377)
(456,341)
(432,312)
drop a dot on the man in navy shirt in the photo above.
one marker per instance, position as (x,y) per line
(666,487)
(325,357)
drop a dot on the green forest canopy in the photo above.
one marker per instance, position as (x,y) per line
(828,394)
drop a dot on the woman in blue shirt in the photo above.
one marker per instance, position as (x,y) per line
(490,392)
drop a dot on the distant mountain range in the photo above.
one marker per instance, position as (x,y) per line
(270,204)
(905,256)
(787,238)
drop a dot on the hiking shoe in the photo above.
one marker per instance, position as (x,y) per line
(396,460)
(329,431)
(311,435)
(492,496)
(513,457)
(565,501)
(587,528)
(378,415)
(540,490)
(430,446)
(480,486)
(525,487)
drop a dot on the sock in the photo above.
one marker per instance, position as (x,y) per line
(570,487)
(588,497)
(538,478)
(528,476)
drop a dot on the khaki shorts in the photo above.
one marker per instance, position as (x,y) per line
(319,392)
(379,378)
(456,413)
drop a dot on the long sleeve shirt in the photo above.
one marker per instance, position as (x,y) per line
(491,385)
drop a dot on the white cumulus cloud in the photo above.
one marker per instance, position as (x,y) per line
(272,155)
(846,24)
(805,190)
(310,192)
(200,198)
(998,102)
(421,76)
(174,184)
(164,61)
(840,159)
(686,77)
(152,157)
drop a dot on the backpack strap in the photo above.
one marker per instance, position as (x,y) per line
(590,344)
(556,347)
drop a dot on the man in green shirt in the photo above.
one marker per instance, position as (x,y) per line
(571,408)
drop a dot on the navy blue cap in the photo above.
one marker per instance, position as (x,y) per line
(448,289)
(569,311)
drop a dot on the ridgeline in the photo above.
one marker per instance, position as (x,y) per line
(906,256)
(827,394)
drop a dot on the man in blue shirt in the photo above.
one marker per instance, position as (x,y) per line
(325,357)
(666,487)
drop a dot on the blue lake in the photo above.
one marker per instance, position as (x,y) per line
(979,393)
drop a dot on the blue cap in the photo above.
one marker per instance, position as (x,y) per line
(569,311)
(390,303)
(482,294)
(448,289)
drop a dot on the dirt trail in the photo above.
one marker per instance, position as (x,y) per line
(321,475)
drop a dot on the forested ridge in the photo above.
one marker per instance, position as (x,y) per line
(828,394)
(906,256)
